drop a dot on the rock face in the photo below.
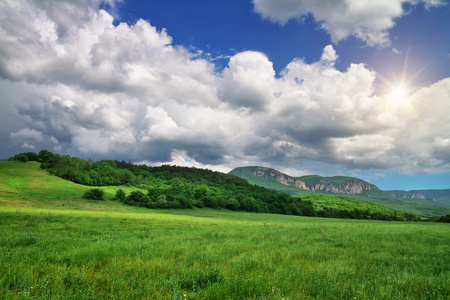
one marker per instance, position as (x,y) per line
(354,186)
(408,196)
(337,185)
(280,177)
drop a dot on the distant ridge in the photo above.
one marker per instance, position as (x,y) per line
(335,184)
(436,197)
(426,203)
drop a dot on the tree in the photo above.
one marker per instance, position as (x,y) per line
(137,198)
(45,156)
(231,203)
(445,219)
(22,157)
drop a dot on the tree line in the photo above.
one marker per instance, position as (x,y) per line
(169,186)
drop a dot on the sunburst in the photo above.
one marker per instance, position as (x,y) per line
(403,85)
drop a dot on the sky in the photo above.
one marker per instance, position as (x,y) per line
(330,87)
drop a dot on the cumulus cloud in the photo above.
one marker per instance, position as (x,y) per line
(97,56)
(249,80)
(89,88)
(369,21)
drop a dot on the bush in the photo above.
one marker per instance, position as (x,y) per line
(120,195)
(94,194)
(137,198)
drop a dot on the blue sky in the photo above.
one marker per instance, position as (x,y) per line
(306,87)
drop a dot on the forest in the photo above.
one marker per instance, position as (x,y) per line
(170,186)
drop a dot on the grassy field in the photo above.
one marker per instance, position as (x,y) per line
(56,245)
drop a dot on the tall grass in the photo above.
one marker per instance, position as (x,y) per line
(207,254)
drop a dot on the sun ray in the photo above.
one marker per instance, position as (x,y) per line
(403,84)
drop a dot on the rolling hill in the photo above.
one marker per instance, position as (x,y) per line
(26,185)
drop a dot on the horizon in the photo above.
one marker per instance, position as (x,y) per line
(325,89)
(227,172)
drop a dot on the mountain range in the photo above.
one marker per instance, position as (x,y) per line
(421,202)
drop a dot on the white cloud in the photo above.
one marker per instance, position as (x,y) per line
(367,20)
(86,87)
(249,81)
(27,134)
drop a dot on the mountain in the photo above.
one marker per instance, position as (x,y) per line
(312,183)
(425,203)
(435,197)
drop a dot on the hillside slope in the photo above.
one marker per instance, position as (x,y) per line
(26,185)
(167,187)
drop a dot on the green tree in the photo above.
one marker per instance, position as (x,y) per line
(45,156)
(22,157)
(231,203)
(137,198)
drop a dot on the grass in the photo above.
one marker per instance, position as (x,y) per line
(25,185)
(89,249)
(207,254)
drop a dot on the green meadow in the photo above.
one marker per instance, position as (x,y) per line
(56,245)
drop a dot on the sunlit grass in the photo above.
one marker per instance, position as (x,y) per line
(56,245)
(207,254)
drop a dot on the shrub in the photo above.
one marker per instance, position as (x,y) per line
(94,194)
(137,198)
(120,195)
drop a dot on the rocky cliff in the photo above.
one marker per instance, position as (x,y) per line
(408,195)
(337,185)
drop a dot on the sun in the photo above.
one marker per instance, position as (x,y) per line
(399,91)
(402,85)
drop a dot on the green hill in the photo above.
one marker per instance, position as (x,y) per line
(26,184)
(154,187)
